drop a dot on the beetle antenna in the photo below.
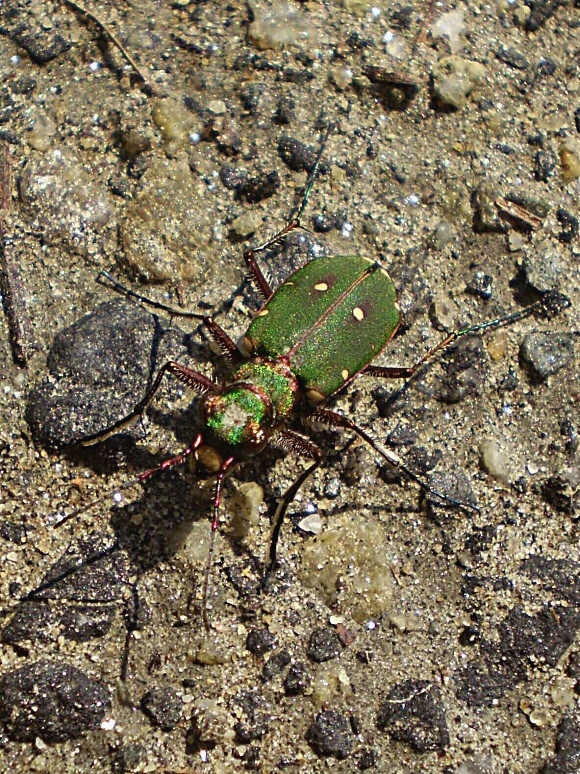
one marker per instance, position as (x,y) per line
(107,280)
(225,467)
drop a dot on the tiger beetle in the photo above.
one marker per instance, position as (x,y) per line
(314,335)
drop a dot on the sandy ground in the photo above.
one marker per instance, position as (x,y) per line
(447,633)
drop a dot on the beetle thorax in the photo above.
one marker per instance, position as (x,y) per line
(238,420)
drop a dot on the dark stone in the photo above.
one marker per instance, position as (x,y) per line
(296,154)
(247,585)
(297,680)
(251,95)
(330,735)
(163,706)
(275,664)
(323,645)
(527,640)
(469,636)
(412,713)
(368,759)
(481,285)
(477,686)
(464,367)
(256,189)
(452,485)
(559,493)
(99,368)
(541,11)
(257,721)
(13,532)
(546,352)
(559,577)
(546,67)
(570,226)
(19,20)
(260,641)
(84,623)
(323,223)
(232,177)
(513,58)
(544,165)
(121,186)
(55,702)
(567,757)
(285,110)
(31,621)
(128,758)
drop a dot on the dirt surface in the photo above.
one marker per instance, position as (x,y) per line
(405,637)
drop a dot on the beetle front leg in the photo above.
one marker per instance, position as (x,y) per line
(192,379)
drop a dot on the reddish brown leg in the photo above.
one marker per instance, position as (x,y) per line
(548,304)
(256,275)
(146,474)
(328,417)
(192,379)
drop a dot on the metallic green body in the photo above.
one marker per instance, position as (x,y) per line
(328,321)
(259,397)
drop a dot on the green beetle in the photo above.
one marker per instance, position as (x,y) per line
(314,335)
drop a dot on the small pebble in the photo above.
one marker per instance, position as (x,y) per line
(547,353)
(331,735)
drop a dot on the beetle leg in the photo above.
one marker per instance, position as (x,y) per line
(388,372)
(192,379)
(549,304)
(144,476)
(225,343)
(227,346)
(332,418)
(225,467)
(290,441)
(261,283)
(256,275)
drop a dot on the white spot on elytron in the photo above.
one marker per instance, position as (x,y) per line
(263,313)
(321,286)
(345,374)
(358,313)
(397,307)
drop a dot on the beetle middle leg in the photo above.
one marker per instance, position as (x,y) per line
(192,379)
(333,419)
